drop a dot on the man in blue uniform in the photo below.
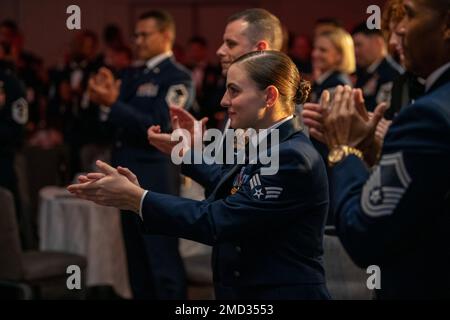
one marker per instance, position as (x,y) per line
(140,100)
(13,118)
(397,215)
(376,69)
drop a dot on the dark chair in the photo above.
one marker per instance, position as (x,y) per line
(32,274)
(53,171)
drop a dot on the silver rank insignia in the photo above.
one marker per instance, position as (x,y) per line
(386,186)
(177,96)
(147,90)
(263,193)
(20,111)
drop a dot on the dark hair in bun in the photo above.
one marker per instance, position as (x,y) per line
(274,68)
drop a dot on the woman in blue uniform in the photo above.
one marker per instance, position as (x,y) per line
(266,230)
(333,61)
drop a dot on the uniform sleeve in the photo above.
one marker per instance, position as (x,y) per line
(207,175)
(382,212)
(13,113)
(177,92)
(263,204)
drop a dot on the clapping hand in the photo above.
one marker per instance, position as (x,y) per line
(110,187)
(103,88)
(181,119)
(344,120)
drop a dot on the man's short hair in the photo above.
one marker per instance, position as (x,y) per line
(362,28)
(262,25)
(163,20)
(198,40)
(10,24)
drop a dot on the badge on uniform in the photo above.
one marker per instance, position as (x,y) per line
(386,186)
(258,191)
(147,90)
(239,181)
(177,96)
(20,111)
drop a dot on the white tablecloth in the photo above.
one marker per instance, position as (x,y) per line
(192,190)
(78,226)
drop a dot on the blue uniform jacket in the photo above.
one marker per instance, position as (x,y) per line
(144,98)
(270,231)
(13,110)
(398,215)
(377,85)
(330,83)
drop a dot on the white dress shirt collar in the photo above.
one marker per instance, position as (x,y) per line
(153,62)
(264,132)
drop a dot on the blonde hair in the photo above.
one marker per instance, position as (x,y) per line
(343,42)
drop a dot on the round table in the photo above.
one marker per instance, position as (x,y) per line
(73,225)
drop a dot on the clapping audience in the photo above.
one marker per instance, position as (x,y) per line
(377,114)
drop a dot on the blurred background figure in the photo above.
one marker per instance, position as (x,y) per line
(118,58)
(208,80)
(30,69)
(300,49)
(375,68)
(81,121)
(117,54)
(13,118)
(407,87)
(112,36)
(333,61)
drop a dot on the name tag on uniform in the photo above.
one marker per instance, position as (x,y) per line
(147,90)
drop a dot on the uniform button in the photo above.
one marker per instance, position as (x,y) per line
(237,274)
(156,70)
(238,249)
(118,144)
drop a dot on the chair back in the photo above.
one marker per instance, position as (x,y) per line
(11,266)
